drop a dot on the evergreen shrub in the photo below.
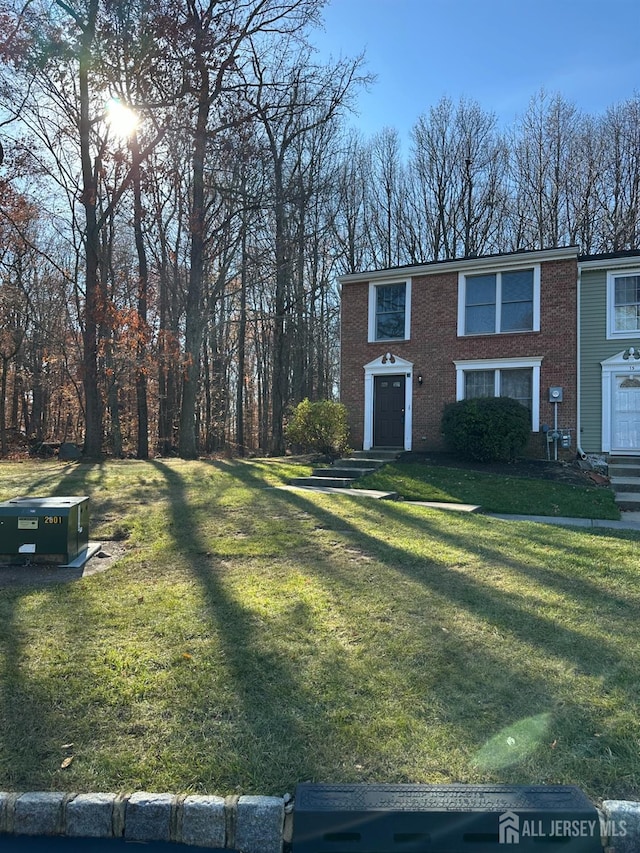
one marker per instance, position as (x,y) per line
(487,429)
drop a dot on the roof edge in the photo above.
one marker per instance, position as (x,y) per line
(453,265)
(610,259)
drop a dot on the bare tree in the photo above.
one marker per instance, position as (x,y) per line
(350,204)
(620,188)
(543,153)
(385,197)
(292,101)
(459,165)
(213,36)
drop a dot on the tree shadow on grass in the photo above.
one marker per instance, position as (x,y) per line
(36,719)
(33,724)
(458,652)
(277,711)
(566,649)
(395,663)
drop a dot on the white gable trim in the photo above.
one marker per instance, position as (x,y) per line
(387,365)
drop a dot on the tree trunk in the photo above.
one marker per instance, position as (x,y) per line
(92,309)
(279,374)
(194,321)
(143,287)
(3,402)
(242,335)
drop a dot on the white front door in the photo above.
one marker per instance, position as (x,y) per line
(625,415)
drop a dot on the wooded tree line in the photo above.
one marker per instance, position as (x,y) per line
(173,289)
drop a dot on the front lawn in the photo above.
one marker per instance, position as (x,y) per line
(493,492)
(252,637)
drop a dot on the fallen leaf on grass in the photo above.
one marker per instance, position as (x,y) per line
(67,762)
(67,746)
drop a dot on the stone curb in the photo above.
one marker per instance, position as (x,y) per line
(251,824)
(623,819)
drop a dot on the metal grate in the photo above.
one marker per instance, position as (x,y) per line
(443,819)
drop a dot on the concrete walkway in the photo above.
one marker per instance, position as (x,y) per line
(629,520)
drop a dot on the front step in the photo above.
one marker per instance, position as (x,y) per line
(625,484)
(324,482)
(361,463)
(624,475)
(350,472)
(385,454)
(344,472)
(628,501)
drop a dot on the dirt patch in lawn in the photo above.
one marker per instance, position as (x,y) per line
(538,469)
(43,575)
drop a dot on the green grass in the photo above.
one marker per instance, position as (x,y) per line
(493,492)
(253,637)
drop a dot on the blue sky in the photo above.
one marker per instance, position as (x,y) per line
(497,52)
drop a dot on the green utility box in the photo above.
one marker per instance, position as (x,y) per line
(43,530)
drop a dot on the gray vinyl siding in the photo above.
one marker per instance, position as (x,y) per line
(594,348)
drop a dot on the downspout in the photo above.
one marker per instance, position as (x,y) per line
(581,453)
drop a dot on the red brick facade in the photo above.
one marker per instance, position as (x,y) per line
(434,343)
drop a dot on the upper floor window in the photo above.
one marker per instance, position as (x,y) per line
(623,305)
(389,311)
(499,302)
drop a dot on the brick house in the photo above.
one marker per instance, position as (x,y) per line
(416,338)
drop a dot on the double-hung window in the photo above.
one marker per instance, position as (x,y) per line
(515,378)
(389,311)
(623,305)
(499,302)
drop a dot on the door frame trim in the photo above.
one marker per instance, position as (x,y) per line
(387,365)
(617,365)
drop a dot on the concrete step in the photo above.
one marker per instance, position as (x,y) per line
(623,470)
(624,484)
(362,462)
(366,493)
(386,454)
(328,482)
(623,460)
(628,501)
(343,471)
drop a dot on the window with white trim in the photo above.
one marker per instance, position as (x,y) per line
(389,311)
(518,379)
(499,302)
(623,304)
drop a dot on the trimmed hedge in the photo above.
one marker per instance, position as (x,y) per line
(487,429)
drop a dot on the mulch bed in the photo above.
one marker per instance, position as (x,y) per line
(539,469)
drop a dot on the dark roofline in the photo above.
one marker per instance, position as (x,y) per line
(467,260)
(610,256)
(472,257)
